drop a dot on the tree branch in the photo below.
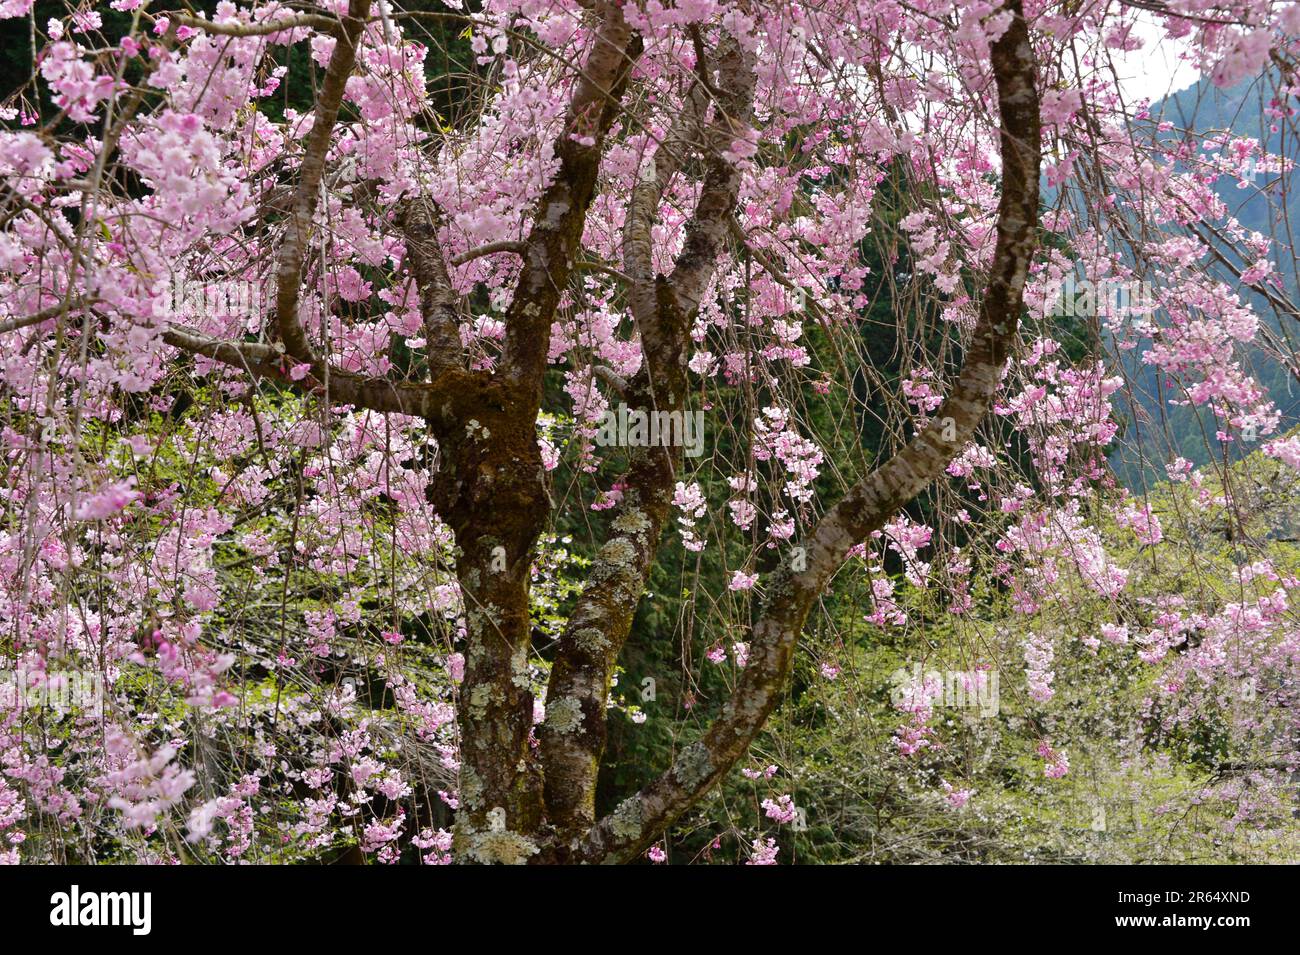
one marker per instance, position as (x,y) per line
(491,248)
(340,387)
(294,249)
(419,224)
(562,209)
(45,314)
(303,20)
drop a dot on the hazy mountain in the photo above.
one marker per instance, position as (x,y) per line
(1157,430)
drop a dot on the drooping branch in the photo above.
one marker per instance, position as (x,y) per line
(870,503)
(337,386)
(774,270)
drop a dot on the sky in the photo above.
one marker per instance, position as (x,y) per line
(1154,71)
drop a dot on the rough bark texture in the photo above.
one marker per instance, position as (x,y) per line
(491,490)
(419,225)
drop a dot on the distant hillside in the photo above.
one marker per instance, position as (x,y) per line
(1156,431)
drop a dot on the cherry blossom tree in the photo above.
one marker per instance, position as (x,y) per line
(302,406)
